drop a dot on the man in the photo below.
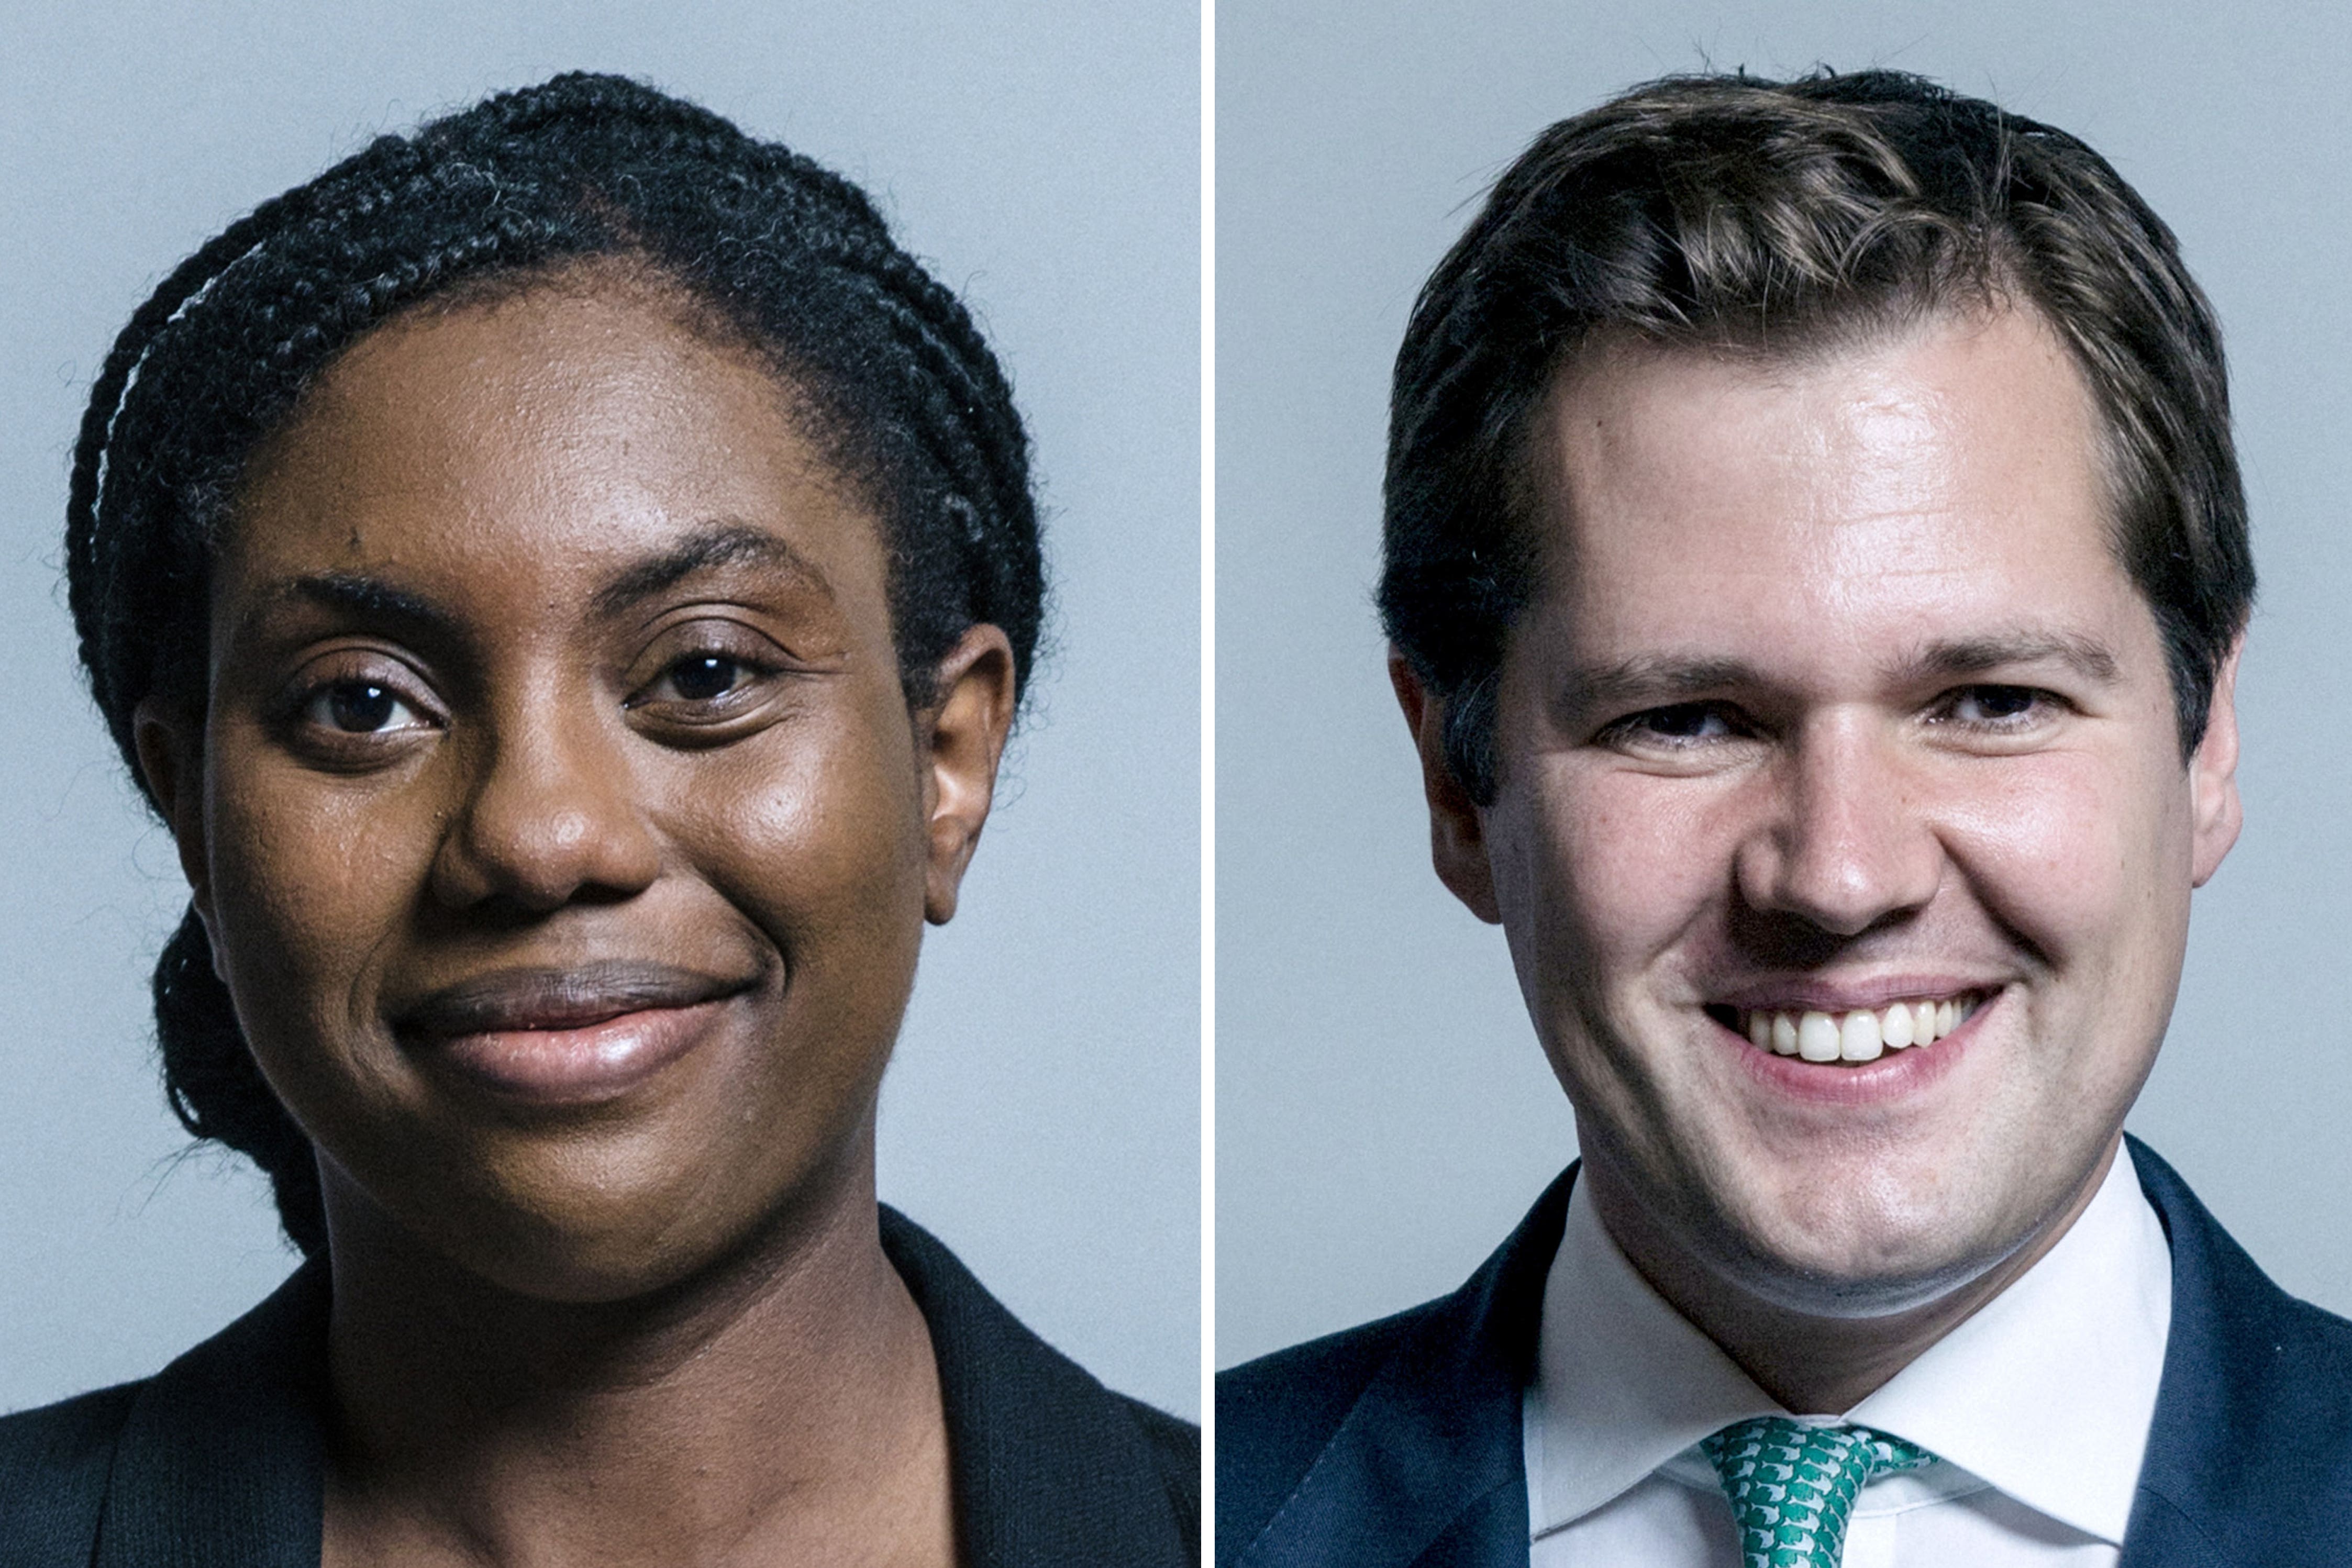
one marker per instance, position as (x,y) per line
(1816,568)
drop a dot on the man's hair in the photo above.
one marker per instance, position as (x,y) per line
(581,177)
(1731,215)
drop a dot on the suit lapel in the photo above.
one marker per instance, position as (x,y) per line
(2220,1483)
(1427,1469)
(2249,1456)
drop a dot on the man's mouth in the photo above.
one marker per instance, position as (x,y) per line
(1862,1034)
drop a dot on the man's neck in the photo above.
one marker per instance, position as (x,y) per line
(1811,1362)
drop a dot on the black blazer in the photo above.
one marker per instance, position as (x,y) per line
(1399,1443)
(216,1461)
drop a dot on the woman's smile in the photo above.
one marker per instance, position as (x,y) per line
(566,1036)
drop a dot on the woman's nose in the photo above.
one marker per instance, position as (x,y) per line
(551,817)
(1849,839)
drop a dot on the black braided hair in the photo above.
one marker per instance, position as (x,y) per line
(786,257)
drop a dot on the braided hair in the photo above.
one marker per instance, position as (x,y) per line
(786,257)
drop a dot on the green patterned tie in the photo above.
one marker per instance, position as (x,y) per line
(1792,1486)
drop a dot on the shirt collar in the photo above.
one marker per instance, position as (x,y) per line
(2046,1392)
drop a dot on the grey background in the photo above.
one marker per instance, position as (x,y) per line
(1384,1112)
(1043,1114)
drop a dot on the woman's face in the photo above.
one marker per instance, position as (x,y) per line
(558,821)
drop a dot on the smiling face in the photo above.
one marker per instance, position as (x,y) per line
(557,818)
(1837,731)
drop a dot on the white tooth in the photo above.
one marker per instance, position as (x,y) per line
(1858,1040)
(1895,1027)
(1759,1030)
(1947,1019)
(1817,1037)
(1784,1034)
(1923,1024)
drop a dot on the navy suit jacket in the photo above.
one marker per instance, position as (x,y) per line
(1397,1445)
(216,1461)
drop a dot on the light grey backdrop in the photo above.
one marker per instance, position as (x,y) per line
(1042,1115)
(1384,1112)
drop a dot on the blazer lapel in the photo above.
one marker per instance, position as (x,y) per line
(1427,1469)
(221,1459)
(1049,1468)
(2247,1450)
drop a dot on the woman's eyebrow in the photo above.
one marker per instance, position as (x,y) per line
(353,594)
(720,544)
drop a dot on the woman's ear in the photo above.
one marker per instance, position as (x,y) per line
(965,729)
(171,746)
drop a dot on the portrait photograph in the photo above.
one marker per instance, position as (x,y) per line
(1859,1084)
(638,568)
(1384,1112)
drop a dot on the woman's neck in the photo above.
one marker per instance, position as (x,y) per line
(782,1406)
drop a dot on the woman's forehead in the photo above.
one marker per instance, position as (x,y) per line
(540,431)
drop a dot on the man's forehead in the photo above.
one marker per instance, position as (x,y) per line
(1910,501)
(1865,457)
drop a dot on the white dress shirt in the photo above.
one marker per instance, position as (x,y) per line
(2037,1407)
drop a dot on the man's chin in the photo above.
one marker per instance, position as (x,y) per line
(1866,1274)
(1855,1295)
(1868,1239)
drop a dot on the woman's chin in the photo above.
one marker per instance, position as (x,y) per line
(576,1235)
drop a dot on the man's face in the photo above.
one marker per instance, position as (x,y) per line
(1835,701)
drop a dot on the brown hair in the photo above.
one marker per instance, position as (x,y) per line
(1731,214)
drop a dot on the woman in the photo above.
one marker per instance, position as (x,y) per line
(565,579)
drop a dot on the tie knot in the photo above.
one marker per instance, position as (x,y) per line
(1792,1486)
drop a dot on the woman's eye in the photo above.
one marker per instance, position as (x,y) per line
(699,678)
(704,677)
(360,708)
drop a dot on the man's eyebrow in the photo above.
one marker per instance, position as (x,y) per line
(720,543)
(1662,679)
(1655,679)
(1981,655)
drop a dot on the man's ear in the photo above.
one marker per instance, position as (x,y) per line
(1457,834)
(965,727)
(171,746)
(2215,809)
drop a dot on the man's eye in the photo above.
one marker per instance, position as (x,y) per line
(1680,724)
(360,708)
(1993,706)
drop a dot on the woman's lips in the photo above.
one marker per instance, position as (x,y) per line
(567,1037)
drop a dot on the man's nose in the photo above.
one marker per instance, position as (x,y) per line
(551,817)
(1848,838)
